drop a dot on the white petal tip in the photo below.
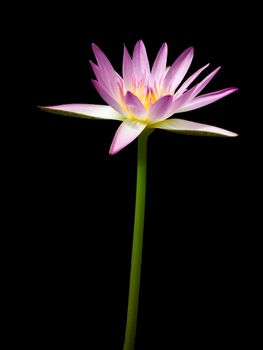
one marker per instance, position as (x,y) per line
(46,107)
(231,134)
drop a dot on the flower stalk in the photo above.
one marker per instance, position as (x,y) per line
(136,260)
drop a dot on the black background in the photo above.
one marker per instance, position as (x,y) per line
(76,203)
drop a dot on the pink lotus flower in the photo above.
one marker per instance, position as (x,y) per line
(145,98)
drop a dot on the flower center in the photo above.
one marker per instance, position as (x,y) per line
(146,94)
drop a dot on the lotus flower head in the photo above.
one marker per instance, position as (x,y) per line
(147,97)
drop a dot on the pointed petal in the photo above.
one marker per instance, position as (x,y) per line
(140,61)
(203,100)
(127,69)
(189,81)
(160,109)
(159,65)
(186,98)
(99,76)
(182,100)
(178,70)
(125,134)
(85,111)
(135,105)
(110,76)
(102,59)
(191,128)
(178,103)
(108,98)
(200,86)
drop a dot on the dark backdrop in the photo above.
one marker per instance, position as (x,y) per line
(77,202)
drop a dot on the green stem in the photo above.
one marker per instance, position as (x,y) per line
(136,259)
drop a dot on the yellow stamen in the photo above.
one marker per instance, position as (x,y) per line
(145,94)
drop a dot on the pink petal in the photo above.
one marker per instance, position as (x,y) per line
(159,65)
(190,94)
(178,70)
(125,134)
(191,128)
(127,69)
(206,99)
(110,76)
(102,59)
(99,76)
(140,61)
(183,100)
(108,98)
(85,111)
(200,86)
(135,105)
(189,81)
(160,109)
